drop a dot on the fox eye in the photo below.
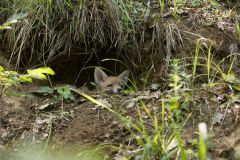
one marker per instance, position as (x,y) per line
(110,85)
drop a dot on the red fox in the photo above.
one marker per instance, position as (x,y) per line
(110,83)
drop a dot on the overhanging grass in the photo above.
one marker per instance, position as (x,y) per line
(54,28)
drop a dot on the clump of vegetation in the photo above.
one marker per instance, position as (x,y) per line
(91,25)
(53,29)
(9,78)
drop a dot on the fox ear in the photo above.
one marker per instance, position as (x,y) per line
(99,75)
(124,77)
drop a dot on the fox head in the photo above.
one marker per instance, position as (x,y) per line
(110,83)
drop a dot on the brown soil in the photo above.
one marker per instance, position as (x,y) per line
(85,124)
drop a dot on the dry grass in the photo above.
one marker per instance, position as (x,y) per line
(52,29)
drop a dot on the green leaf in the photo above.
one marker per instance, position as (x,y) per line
(17,17)
(71,97)
(45,89)
(231,78)
(12,73)
(155,86)
(5,27)
(3,74)
(8,80)
(25,78)
(64,92)
(1,69)
(40,72)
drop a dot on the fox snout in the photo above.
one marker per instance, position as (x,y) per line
(112,84)
(116,90)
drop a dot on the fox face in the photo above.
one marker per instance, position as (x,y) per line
(110,83)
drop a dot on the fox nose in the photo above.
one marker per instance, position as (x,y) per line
(115,90)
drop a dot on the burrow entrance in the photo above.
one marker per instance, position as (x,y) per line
(78,68)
